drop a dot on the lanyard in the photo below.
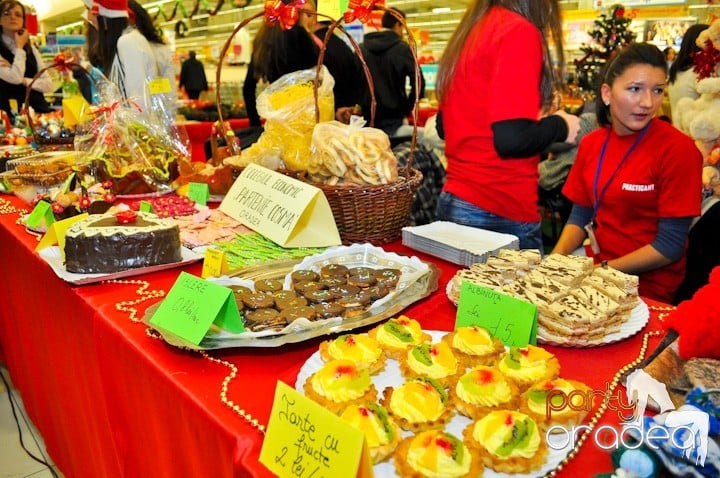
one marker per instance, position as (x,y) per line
(597,196)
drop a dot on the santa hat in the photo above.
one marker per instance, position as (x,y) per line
(108,8)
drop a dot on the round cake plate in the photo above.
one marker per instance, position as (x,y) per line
(391,377)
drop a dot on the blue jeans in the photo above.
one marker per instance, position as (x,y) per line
(453,209)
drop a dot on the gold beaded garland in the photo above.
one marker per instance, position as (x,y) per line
(142,291)
(6,207)
(662,310)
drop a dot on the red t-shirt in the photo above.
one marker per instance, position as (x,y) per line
(497,78)
(662,178)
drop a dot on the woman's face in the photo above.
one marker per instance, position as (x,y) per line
(12,19)
(634,97)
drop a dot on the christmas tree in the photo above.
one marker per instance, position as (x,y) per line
(611,32)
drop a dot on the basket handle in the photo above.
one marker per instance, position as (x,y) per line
(413,49)
(61,64)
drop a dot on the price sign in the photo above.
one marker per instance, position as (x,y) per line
(304,439)
(511,320)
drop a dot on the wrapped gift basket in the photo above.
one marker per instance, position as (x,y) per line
(364,212)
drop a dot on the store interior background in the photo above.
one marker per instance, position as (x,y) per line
(431,21)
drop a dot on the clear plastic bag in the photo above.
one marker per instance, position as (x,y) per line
(288,106)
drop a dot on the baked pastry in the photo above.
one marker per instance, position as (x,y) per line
(381,432)
(431,360)
(418,404)
(483,389)
(436,453)
(328,310)
(528,365)
(474,345)
(268,286)
(507,441)
(359,348)
(397,335)
(340,383)
(302,275)
(571,401)
(264,319)
(107,243)
(334,270)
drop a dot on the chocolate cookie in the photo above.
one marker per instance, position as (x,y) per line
(328,310)
(290,302)
(264,319)
(316,296)
(294,313)
(378,291)
(258,300)
(306,286)
(240,289)
(268,285)
(334,270)
(303,275)
(284,294)
(340,291)
(389,277)
(328,282)
(363,279)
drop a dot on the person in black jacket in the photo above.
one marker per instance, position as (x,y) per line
(391,65)
(192,77)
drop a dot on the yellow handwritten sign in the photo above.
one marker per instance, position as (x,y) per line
(283,209)
(159,86)
(304,439)
(214,263)
(332,8)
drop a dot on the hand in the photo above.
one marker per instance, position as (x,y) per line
(4,62)
(343,114)
(21,38)
(573,124)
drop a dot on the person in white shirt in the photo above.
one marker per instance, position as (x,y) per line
(682,80)
(20,62)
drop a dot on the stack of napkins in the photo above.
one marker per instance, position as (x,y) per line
(455,243)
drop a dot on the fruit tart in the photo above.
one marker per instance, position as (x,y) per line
(431,360)
(397,335)
(359,348)
(507,441)
(418,404)
(483,389)
(436,453)
(528,365)
(381,432)
(474,345)
(340,383)
(558,403)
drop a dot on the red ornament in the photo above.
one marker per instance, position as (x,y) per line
(84,202)
(126,217)
(60,62)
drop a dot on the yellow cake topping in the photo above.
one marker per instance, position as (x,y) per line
(359,348)
(400,333)
(473,340)
(341,381)
(538,396)
(372,421)
(432,360)
(525,363)
(419,400)
(484,386)
(437,454)
(508,434)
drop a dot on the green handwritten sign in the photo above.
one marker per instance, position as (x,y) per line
(511,320)
(145,206)
(304,439)
(199,192)
(42,210)
(192,305)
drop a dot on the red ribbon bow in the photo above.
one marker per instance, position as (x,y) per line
(276,11)
(61,63)
(359,10)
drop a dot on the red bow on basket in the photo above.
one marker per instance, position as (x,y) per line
(276,11)
(61,63)
(359,10)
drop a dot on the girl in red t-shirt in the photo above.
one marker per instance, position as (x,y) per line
(636,182)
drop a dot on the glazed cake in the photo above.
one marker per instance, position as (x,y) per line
(359,348)
(436,453)
(474,345)
(483,389)
(418,404)
(529,364)
(431,360)
(103,243)
(381,432)
(339,384)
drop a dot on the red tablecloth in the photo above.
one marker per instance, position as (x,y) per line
(110,401)
(199,132)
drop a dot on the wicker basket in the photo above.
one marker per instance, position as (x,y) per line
(41,141)
(362,212)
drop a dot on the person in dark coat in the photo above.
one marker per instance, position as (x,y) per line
(391,65)
(192,77)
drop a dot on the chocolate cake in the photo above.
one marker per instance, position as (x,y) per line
(102,244)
